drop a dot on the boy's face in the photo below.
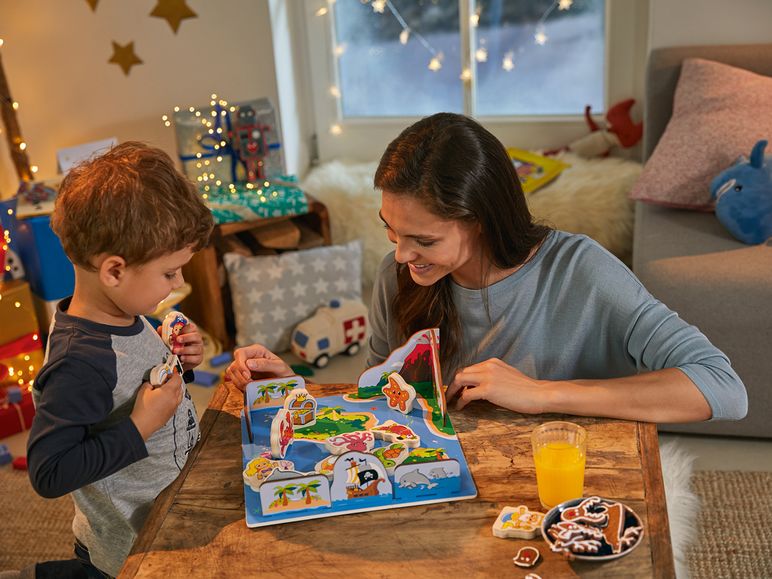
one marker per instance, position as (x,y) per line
(143,287)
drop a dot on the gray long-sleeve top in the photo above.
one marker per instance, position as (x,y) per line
(573,311)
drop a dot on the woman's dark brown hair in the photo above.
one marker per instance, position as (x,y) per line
(459,171)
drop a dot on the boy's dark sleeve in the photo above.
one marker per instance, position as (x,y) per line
(64,453)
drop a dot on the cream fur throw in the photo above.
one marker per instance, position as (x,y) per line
(590,197)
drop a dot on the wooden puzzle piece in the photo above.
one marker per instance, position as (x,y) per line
(391,431)
(260,468)
(272,391)
(171,328)
(361,441)
(303,407)
(527,557)
(518,522)
(399,394)
(282,433)
(357,475)
(392,455)
(427,478)
(326,465)
(293,492)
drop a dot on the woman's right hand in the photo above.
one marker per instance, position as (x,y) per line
(255,362)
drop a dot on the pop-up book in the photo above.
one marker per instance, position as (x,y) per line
(390,444)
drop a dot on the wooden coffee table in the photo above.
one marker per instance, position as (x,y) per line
(197,526)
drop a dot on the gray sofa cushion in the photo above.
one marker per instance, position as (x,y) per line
(687,260)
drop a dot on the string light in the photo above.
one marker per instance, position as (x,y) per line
(336,129)
(435,62)
(508,62)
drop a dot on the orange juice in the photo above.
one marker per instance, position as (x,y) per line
(559,472)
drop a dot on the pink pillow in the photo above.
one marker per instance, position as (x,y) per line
(719,112)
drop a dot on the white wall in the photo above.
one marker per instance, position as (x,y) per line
(55,57)
(694,22)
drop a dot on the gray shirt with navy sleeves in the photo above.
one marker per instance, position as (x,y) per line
(84,442)
(574,311)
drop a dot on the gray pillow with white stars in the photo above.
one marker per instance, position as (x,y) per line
(273,293)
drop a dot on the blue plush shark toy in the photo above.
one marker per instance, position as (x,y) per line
(743,195)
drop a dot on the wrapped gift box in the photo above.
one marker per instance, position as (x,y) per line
(16,417)
(20,360)
(17,311)
(245,202)
(50,274)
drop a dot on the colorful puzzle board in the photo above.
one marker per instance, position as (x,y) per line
(434,471)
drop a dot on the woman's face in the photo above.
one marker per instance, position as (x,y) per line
(432,247)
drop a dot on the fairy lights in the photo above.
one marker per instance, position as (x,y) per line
(435,59)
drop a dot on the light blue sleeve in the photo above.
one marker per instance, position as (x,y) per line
(659,338)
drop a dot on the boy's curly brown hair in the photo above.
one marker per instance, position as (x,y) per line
(132,202)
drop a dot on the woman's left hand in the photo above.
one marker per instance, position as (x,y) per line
(189,347)
(500,384)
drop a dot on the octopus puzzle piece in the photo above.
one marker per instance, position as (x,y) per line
(518,523)
(282,433)
(399,394)
(391,431)
(526,557)
(171,328)
(392,455)
(260,468)
(360,441)
(303,407)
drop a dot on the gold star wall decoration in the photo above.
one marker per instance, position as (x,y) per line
(93,4)
(173,11)
(124,56)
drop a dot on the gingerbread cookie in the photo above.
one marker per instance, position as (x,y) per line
(527,557)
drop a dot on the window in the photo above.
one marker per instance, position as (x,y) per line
(522,57)
(525,68)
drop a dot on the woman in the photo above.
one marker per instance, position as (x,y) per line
(530,319)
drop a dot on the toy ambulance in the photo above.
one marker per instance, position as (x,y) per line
(341,327)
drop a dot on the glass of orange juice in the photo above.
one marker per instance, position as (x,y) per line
(559,450)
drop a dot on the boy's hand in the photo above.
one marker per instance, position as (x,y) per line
(189,347)
(255,362)
(155,406)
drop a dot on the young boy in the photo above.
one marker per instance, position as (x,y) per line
(129,221)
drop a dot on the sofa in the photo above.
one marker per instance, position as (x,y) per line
(689,261)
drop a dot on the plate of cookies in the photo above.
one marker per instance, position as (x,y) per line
(592,529)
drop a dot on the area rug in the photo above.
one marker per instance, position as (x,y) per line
(734,538)
(33,528)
